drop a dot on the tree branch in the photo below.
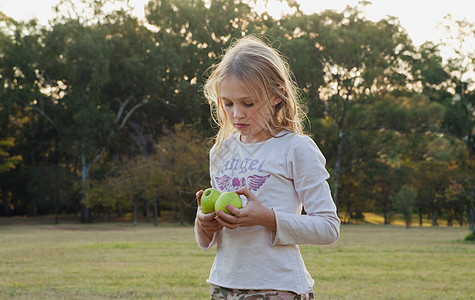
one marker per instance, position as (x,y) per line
(48,118)
(138,105)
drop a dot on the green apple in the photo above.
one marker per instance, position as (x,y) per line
(208,199)
(231,198)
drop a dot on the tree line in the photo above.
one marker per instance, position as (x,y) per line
(102,112)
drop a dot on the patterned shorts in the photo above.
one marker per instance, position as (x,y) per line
(220,293)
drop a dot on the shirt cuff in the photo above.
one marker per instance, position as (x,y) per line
(201,238)
(273,234)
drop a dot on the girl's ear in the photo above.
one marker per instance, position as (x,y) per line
(278,99)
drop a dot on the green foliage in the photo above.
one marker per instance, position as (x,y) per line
(7,161)
(404,201)
(94,98)
(183,158)
(100,198)
(428,66)
(171,176)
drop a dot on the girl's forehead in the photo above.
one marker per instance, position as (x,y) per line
(232,88)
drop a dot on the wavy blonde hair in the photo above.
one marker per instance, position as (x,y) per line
(265,73)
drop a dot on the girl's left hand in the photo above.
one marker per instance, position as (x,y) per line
(254,213)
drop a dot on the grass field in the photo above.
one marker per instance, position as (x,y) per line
(119,261)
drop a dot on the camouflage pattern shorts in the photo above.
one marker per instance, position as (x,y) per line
(220,293)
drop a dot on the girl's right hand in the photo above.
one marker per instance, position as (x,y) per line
(207,222)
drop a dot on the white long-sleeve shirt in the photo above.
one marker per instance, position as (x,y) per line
(285,173)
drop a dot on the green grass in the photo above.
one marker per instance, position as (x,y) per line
(119,261)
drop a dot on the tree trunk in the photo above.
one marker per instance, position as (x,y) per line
(56,198)
(34,207)
(472,220)
(450,220)
(386,213)
(56,213)
(472,205)
(159,211)
(155,210)
(135,211)
(119,211)
(420,217)
(337,167)
(58,185)
(434,217)
(6,209)
(182,214)
(146,209)
(175,211)
(348,214)
(85,214)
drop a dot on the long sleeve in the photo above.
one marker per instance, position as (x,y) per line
(321,225)
(201,239)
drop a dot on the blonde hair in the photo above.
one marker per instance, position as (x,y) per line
(266,74)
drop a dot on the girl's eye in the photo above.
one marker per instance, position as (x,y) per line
(249,104)
(228,104)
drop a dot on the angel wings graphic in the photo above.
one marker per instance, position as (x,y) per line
(253,183)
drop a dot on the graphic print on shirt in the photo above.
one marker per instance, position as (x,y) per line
(238,166)
(239,172)
(253,182)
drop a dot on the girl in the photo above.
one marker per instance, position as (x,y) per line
(261,153)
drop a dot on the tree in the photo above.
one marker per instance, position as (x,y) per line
(455,202)
(7,161)
(176,171)
(389,140)
(404,201)
(18,58)
(460,119)
(428,70)
(98,76)
(98,91)
(195,32)
(359,62)
(183,152)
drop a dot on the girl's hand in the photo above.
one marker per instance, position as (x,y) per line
(207,222)
(254,213)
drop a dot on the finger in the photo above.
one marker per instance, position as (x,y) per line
(213,229)
(207,217)
(213,226)
(198,196)
(225,223)
(233,210)
(246,192)
(228,218)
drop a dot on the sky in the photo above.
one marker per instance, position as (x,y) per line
(419,17)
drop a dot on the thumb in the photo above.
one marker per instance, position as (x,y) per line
(198,196)
(245,192)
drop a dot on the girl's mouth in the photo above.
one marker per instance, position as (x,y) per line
(240,125)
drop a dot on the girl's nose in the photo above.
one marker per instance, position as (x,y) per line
(238,113)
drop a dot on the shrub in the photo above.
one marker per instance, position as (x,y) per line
(470,237)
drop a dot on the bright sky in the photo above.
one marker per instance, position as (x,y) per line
(418,17)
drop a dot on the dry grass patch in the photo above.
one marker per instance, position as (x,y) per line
(119,261)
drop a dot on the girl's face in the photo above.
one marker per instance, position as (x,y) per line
(246,114)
